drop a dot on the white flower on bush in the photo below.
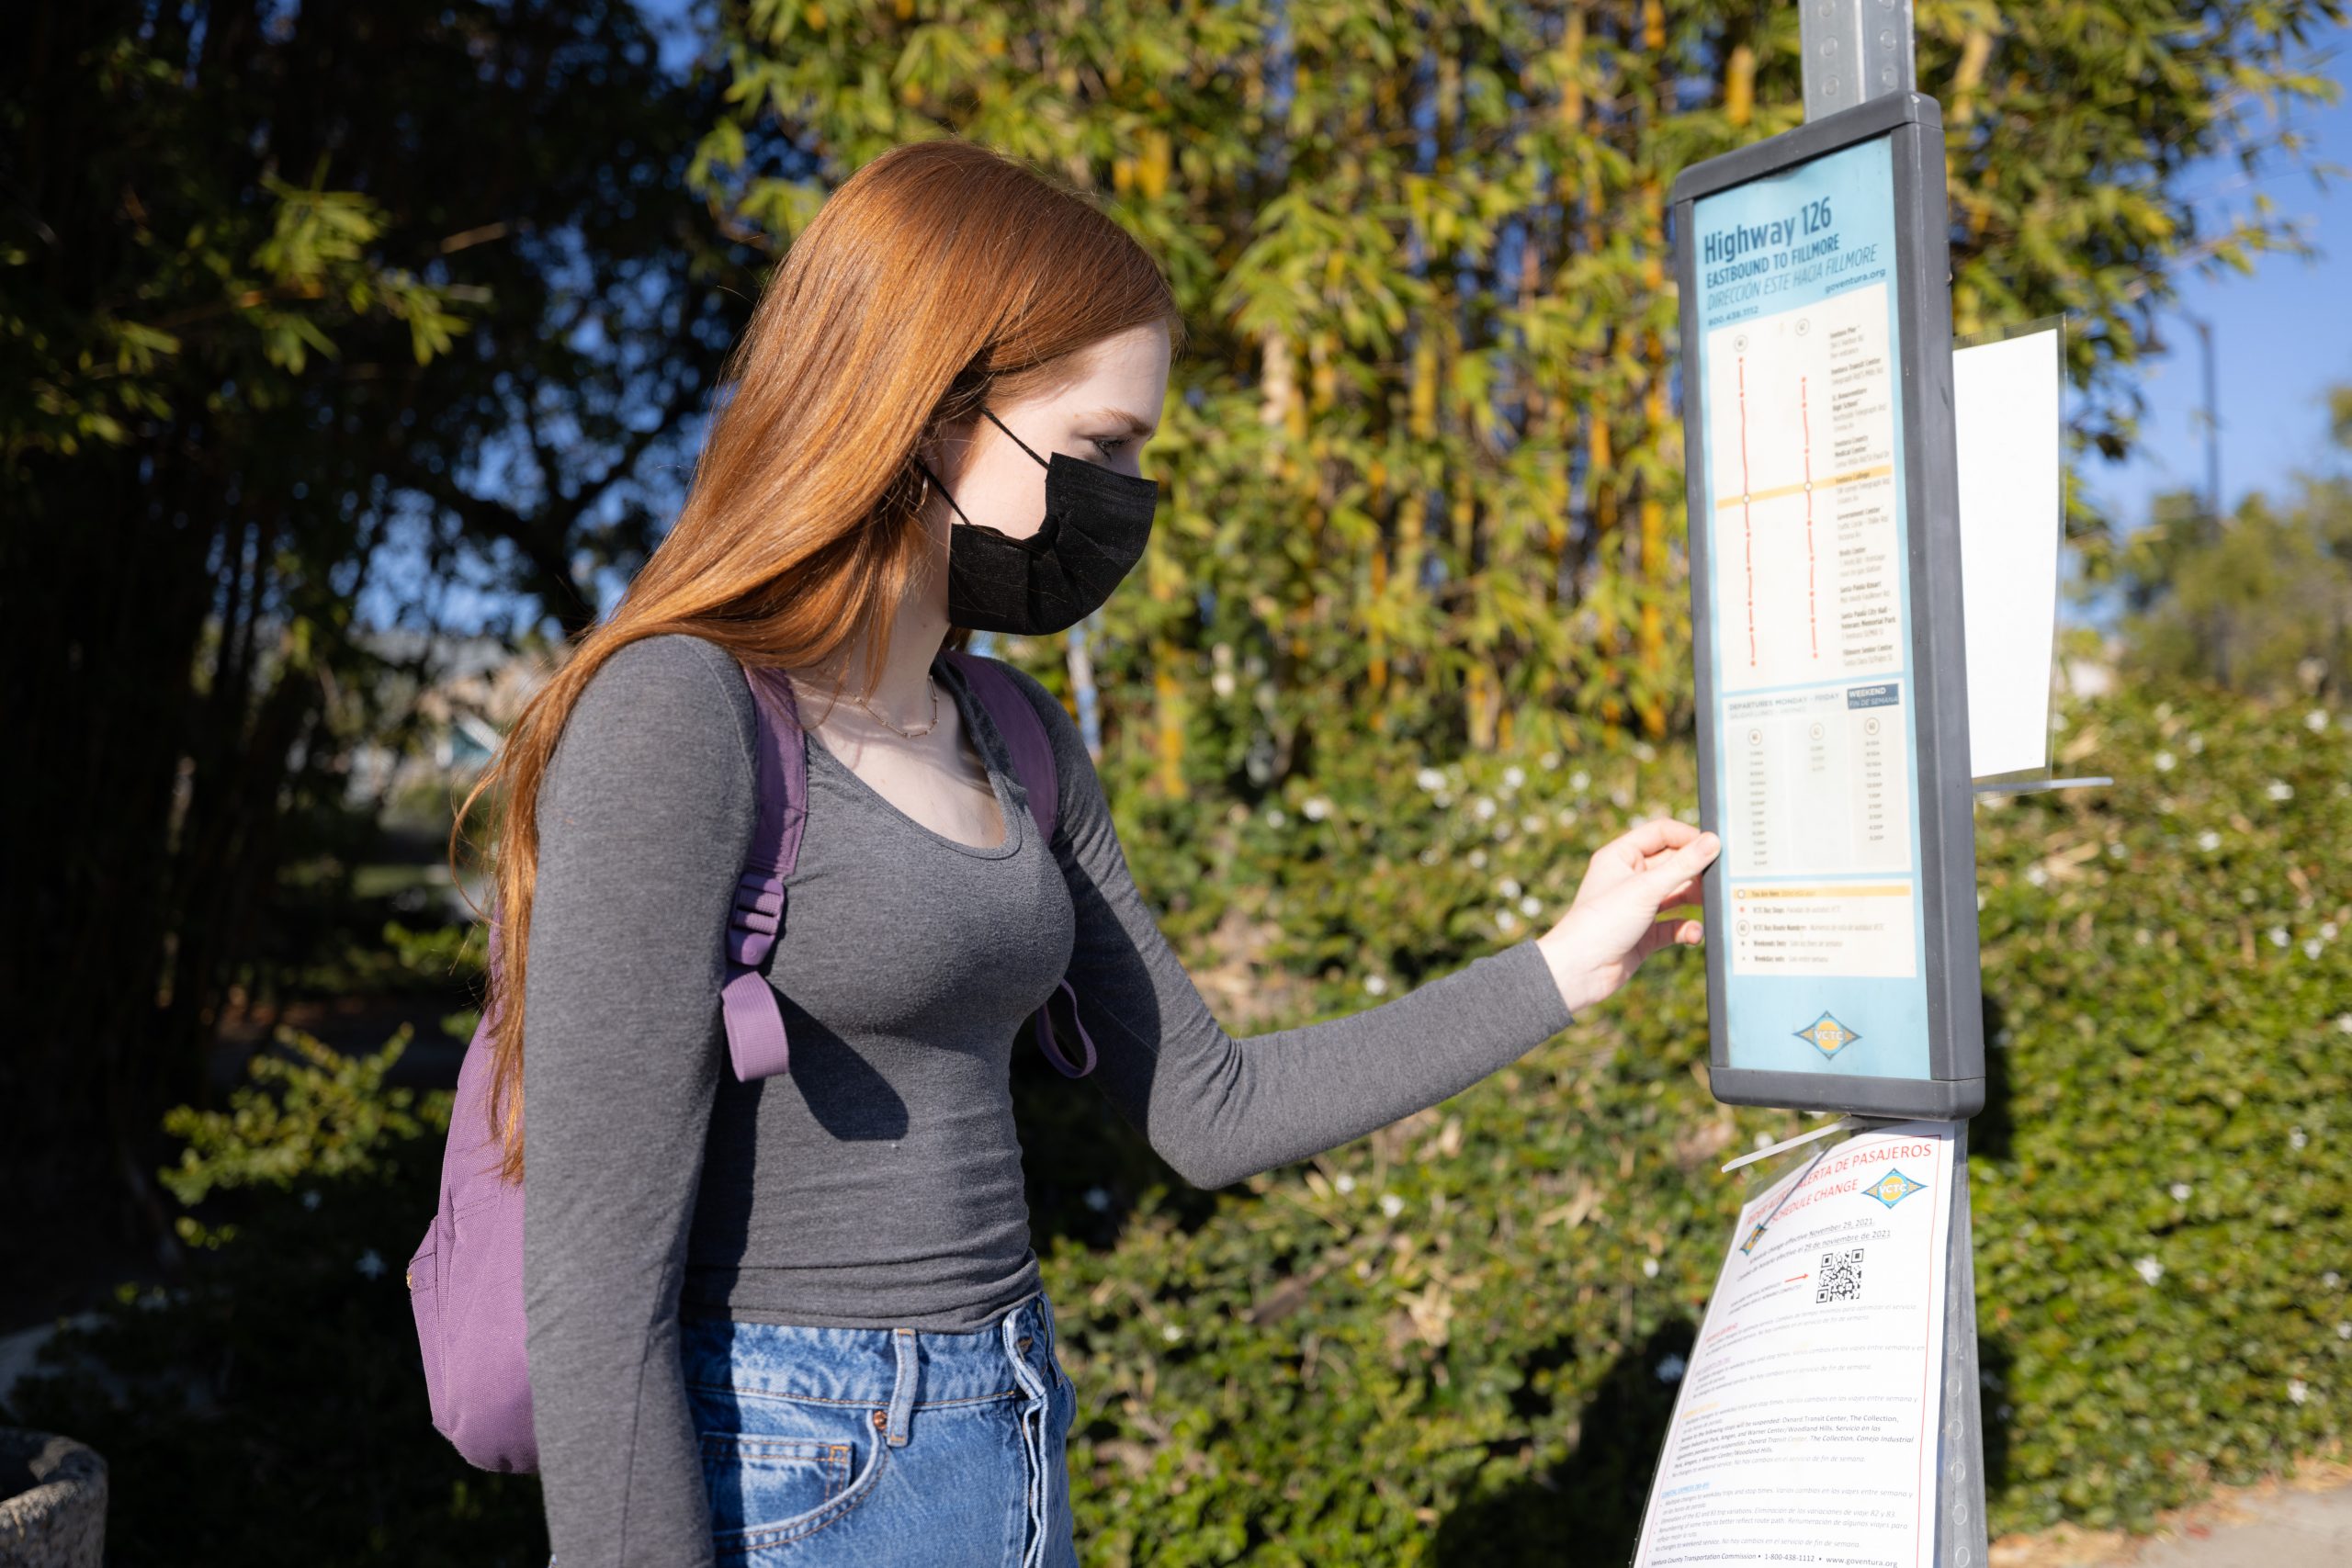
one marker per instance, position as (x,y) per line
(1430,780)
(2195,744)
(2315,720)
(1376,984)
(1566,816)
(2035,875)
(1275,816)
(1222,682)
(1549,761)
(1508,887)
(1505,920)
(2149,1270)
(2209,840)
(1649,1268)
(2332,1280)
(1317,808)
(2180,1190)
(1344,1182)
(2343,1023)
(1391,1204)
(1097,1199)
(1532,822)
(1444,798)
(1170,1333)
(371,1263)
(1483,810)
(1579,781)
(2164,762)
(2298,1390)
(2278,936)
(2279,789)
(1430,856)
(2344,1331)
(2296,1138)
(1531,906)
(1477,860)
(2313,947)
(2144,936)
(1514,776)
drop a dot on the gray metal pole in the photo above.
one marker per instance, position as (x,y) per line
(1854,50)
(1959,1458)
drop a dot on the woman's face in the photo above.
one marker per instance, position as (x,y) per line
(1104,414)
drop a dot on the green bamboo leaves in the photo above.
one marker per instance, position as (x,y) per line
(1424,453)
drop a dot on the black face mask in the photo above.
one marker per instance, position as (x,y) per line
(1097,522)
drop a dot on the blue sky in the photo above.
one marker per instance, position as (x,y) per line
(2280,337)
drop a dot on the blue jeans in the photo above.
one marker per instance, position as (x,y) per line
(874,1445)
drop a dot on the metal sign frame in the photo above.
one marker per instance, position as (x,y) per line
(1954,1088)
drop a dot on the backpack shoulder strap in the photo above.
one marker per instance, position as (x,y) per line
(1023,731)
(755,1039)
(1032,762)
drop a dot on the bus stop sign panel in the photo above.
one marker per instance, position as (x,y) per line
(1826,599)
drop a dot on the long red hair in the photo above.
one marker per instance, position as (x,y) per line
(941,277)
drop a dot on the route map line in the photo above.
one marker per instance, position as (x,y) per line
(1747,528)
(1804,417)
(1850,477)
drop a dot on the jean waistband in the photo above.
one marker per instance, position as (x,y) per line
(862,1365)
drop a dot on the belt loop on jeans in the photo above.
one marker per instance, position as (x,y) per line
(903,1393)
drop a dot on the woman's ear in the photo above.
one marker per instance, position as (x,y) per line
(946,449)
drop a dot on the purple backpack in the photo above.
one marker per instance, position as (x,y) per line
(466,1281)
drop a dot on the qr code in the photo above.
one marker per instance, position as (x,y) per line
(1840,1277)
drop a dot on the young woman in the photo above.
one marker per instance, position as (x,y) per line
(798,1320)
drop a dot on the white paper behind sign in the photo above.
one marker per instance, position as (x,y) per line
(2004,403)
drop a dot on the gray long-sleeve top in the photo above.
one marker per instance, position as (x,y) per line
(879,1182)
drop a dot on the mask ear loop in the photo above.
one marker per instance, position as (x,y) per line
(931,478)
(1016,440)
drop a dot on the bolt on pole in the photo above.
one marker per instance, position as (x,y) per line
(1854,50)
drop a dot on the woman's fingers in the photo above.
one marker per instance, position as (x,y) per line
(1672,874)
(1655,837)
(1673,932)
(1689,893)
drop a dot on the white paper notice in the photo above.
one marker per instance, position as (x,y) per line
(1806,1428)
(2005,407)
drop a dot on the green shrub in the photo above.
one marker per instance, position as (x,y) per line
(1293,1373)
(269,1408)
(1452,1339)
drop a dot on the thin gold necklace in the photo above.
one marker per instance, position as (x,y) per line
(932,681)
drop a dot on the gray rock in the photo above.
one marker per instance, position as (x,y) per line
(52,1501)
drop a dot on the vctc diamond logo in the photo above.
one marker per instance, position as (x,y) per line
(1893,1186)
(1827,1035)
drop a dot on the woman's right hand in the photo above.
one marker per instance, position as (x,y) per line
(1614,924)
